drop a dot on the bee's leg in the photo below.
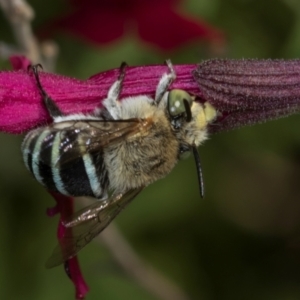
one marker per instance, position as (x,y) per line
(51,106)
(165,82)
(112,103)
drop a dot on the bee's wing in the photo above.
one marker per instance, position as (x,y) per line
(76,138)
(87,224)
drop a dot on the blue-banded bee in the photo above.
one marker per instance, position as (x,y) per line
(113,153)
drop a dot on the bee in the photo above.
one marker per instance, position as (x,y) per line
(113,153)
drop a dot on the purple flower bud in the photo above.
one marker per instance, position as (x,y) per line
(249,91)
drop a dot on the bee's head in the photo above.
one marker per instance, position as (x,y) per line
(179,104)
(189,120)
(188,117)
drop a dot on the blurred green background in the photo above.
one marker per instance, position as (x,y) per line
(241,242)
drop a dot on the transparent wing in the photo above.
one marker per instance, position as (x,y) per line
(75,138)
(87,224)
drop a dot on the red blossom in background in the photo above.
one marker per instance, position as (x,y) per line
(157,22)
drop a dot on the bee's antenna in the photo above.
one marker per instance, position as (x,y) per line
(51,106)
(187,110)
(199,170)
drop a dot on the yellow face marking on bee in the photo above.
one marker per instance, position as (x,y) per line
(210,112)
(205,115)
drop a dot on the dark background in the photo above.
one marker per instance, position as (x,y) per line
(241,242)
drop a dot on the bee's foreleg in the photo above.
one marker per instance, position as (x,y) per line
(165,82)
(50,105)
(111,103)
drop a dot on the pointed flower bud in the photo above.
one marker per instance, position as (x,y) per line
(249,91)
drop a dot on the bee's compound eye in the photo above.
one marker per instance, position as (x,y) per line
(184,152)
(176,103)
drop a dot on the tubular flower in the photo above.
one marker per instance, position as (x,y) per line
(21,105)
(244,92)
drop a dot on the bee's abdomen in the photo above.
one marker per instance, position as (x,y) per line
(84,175)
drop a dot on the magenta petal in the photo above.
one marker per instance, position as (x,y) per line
(143,80)
(19,62)
(77,278)
(64,205)
(21,106)
(72,268)
(52,211)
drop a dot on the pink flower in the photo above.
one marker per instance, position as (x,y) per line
(21,106)
(157,22)
(243,91)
